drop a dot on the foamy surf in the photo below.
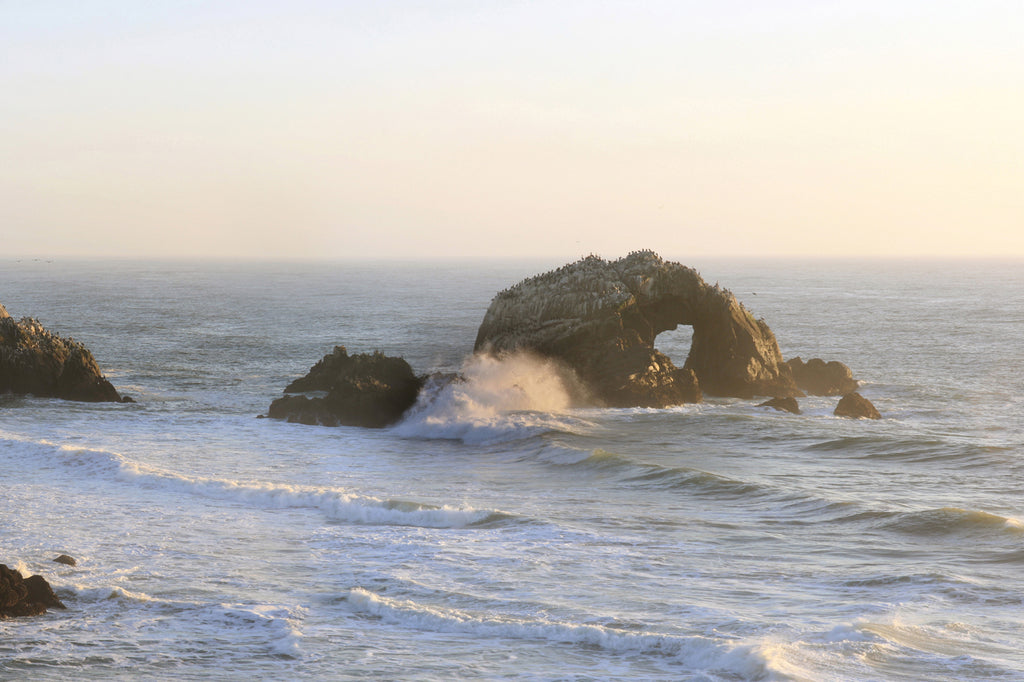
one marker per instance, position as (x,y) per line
(276,626)
(337,505)
(494,400)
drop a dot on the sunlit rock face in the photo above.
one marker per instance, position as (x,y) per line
(601,318)
(856,406)
(38,362)
(818,377)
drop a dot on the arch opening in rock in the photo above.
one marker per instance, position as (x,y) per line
(675,344)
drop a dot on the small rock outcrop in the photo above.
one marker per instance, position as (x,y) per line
(601,319)
(782,405)
(856,406)
(372,390)
(21,596)
(37,362)
(66,560)
(818,377)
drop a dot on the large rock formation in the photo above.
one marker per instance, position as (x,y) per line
(818,377)
(38,362)
(360,390)
(21,596)
(601,319)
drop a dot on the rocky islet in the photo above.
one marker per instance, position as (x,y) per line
(35,361)
(21,597)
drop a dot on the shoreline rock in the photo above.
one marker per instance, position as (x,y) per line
(21,597)
(817,377)
(601,319)
(371,390)
(788,404)
(856,406)
(35,361)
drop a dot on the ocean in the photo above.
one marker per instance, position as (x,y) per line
(500,532)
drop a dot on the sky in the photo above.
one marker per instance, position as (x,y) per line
(408,129)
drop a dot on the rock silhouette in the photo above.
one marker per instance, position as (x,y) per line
(601,318)
(371,390)
(21,596)
(35,361)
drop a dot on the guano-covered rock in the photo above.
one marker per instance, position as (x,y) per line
(601,318)
(35,361)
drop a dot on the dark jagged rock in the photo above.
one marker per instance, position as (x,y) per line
(601,319)
(818,377)
(361,390)
(856,406)
(66,560)
(783,404)
(25,596)
(37,362)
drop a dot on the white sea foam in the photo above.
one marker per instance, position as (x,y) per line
(276,625)
(338,505)
(279,624)
(493,400)
(697,652)
(87,593)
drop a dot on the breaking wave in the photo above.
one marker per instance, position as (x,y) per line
(495,399)
(274,627)
(337,505)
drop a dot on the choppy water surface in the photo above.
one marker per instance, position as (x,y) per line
(493,538)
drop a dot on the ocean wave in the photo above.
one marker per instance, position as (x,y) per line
(697,653)
(925,449)
(493,400)
(647,475)
(337,505)
(943,521)
(276,625)
(892,649)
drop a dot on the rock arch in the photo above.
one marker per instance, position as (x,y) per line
(601,318)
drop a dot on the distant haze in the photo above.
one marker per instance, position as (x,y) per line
(325,129)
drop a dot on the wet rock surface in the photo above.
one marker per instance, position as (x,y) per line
(20,596)
(782,405)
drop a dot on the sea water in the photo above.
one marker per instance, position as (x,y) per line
(499,531)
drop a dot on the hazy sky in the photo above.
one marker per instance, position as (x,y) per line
(334,129)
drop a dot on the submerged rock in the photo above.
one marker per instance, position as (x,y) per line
(601,319)
(818,377)
(856,406)
(25,596)
(782,405)
(35,361)
(372,390)
(66,560)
